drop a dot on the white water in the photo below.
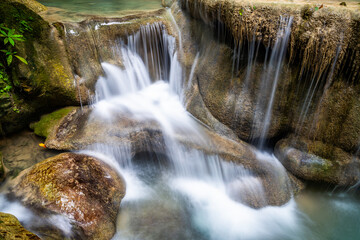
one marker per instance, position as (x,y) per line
(273,72)
(210,193)
(217,190)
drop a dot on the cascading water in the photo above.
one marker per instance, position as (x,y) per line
(272,72)
(207,186)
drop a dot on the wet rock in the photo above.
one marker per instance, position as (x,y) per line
(21,151)
(336,119)
(47,122)
(2,169)
(80,187)
(10,228)
(317,161)
(167,3)
(47,78)
(238,101)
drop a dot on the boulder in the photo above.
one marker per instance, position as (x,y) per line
(317,161)
(10,228)
(49,121)
(21,151)
(80,187)
(32,5)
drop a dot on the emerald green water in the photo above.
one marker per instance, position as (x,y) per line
(96,7)
(79,10)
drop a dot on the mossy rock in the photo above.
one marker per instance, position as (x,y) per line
(81,187)
(317,161)
(50,121)
(33,5)
(38,86)
(10,228)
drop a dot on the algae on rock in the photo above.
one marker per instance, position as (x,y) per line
(83,188)
(49,121)
(10,228)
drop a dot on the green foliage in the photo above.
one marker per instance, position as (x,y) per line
(8,40)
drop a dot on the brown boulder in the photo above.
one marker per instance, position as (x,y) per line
(82,188)
(317,161)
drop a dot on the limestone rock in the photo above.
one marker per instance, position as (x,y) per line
(47,122)
(10,228)
(316,161)
(80,187)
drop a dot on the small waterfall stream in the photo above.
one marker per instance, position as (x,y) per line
(205,183)
(183,192)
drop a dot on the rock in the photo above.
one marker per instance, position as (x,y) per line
(21,151)
(38,86)
(2,169)
(32,4)
(336,119)
(167,3)
(317,161)
(80,187)
(48,122)
(240,103)
(10,228)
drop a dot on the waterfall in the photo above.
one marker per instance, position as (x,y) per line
(132,91)
(272,73)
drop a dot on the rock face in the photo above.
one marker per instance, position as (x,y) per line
(82,188)
(316,161)
(317,94)
(10,228)
(315,72)
(47,78)
(64,59)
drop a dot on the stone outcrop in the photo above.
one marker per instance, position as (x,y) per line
(301,157)
(10,228)
(64,59)
(47,78)
(84,189)
(318,86)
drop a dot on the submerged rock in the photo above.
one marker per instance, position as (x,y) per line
(10,228)
(317,161)
(80,187)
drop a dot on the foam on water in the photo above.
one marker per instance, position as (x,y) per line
(220,217)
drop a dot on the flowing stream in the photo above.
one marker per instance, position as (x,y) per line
(185,193)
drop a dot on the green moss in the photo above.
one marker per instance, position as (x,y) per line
(49,121)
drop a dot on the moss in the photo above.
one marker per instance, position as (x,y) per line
(10,228)
(49,121)
(306,12)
